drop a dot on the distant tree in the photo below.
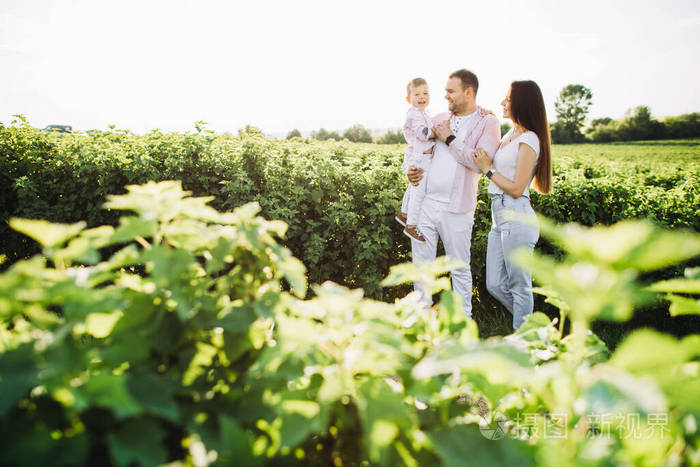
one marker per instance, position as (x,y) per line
(358,134)
(571,108)
(392,137)
(505,128)
(323,135)
(603,130)
(249,130)
(560,134)
(683,126)
(294,134)
(638,124)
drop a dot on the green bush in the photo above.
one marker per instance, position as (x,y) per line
(191,343)
(638,124)
(392,137)
(683,126)
(338,198)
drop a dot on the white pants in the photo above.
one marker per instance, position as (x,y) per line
(413,198)
(455,231)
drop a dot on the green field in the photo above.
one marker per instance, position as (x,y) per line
(151,329)
(659,158)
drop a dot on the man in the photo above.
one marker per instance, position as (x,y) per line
(450,200)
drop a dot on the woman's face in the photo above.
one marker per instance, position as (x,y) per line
(506,106)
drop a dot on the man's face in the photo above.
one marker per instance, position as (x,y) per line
(455,95)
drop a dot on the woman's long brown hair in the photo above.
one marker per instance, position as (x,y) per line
(527,110)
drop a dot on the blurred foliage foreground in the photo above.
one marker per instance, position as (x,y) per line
(190,345)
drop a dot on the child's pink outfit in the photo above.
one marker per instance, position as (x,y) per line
(416,130)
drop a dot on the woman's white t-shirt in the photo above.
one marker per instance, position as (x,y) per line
(505,160)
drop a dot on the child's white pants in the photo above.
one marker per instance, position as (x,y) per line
(414,195)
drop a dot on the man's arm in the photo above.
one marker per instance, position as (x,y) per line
(490,138)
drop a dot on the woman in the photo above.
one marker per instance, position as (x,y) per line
(523,154)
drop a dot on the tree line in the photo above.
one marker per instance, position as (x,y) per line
(356,134)
(571,108)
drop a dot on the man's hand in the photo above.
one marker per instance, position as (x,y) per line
(414,175)
(442,130)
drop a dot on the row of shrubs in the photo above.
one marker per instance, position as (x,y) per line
(338,198)
(637,125)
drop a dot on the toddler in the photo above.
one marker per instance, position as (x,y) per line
(418,131)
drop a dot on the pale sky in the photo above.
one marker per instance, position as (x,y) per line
(280,65)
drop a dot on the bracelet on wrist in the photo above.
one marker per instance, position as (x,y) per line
(449,139)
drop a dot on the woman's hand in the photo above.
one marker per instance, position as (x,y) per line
(482,159)
(414,175)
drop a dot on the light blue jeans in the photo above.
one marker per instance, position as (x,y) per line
(508,283)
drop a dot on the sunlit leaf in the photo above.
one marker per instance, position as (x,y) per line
(680,285)
(683,305)
(48,234)
(101,324)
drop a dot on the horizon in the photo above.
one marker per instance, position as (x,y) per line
(166,65)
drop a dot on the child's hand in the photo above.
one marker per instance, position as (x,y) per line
(442,130)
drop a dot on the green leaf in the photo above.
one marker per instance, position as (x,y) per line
(450,312)
(680,285)
(154,393)
(613,391)
(683,305)
(85,247)
(628,244)
(499,362)
(295,272)
(138,441)
(48,234)
(131,227)
(426,274)
(297,427)
(647,352)
(203,357)
(100,324)
(18,374)
(110,391)
(236,444)
(461,445)
(153,200)
(383,412)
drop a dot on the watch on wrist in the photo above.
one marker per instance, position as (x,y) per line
(449,139)
(490,173)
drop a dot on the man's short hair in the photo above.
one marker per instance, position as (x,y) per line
(414,83)
(468,79)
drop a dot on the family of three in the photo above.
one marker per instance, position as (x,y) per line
(445,158)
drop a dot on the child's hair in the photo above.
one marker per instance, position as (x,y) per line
(414,83)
